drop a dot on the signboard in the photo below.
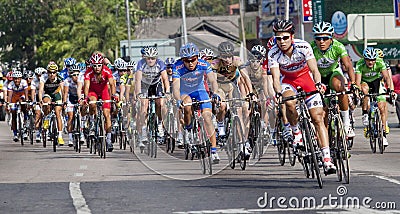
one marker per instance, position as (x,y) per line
(307,11)
(280,7)
(391,51)
(397,13)
(318,11)
(266,7)
(339,23)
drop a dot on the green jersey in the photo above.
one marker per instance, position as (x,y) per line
(328,61)
(370,74)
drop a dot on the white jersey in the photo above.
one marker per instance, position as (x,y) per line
(293,66)
(35,83)
(22,86)
(72,86)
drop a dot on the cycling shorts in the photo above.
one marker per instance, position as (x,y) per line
(312,101)
(377,86)
(101,94)
(200,95)
(328,79)
(72,100)
(152,90)
(56,98)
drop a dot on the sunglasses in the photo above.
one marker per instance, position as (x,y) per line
(97,65)
(255,61)
(151,58)
(51,72)
(322,38)
(74,75)
(190,60)
(280,38)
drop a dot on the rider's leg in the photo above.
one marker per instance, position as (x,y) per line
(365,89)
(70,114)
(338,83)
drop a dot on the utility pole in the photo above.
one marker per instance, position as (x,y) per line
(128,25)
(242,27)
(184,22)
(286,9)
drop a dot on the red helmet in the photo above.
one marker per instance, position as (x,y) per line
(97,59)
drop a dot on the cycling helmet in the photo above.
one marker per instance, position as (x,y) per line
(258,50)
(70,61)
(379,52)
(271,43)
(189,50)
(97,58)
(52,66)
(75,68)
(40,70)
(226,48)
(131,64)
(283,26)
(150,52)
(122,65)
(9,76)
(323,28)
(119,63)
(206,52)
(143,50)
(169,61)
(370,53)
(30,74)
(17,74)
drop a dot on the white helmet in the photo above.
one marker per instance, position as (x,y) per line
(40,70)
(120,64)
(323,28)
(17,74)
(150,52)
(259,49)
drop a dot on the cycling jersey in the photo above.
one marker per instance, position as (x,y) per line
(328,61)
(150,75)
(294,69)
(118,81)
(64,73)
(227,73)
(370,74)
(256,77)
(99,88)
(192,82)
(51,87)
(18,91)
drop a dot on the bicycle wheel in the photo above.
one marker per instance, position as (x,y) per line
(280,142)
(205,141)
(102,135)
(342,154)
(311,143)
(155,139)
(20,128)
(372,137)
(54,132)
(44,137)
(238,137)
(31,127)
(379,130)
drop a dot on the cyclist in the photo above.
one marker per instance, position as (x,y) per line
(294,59)
(150,77)
(207,54)
(68,63)
(35,98)
(17,91)
(70,98)
(328,52)
(261,82)
(50,90)
(371,70)
(188,83)
(128,80)
(98,78)
(233,82)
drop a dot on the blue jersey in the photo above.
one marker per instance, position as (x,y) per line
(64,73)
(191,81)
(150,75)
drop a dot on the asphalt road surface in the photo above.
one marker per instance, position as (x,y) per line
(34,179)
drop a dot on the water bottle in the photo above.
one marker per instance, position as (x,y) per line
(46,122)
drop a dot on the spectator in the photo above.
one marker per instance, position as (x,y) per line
(396,84)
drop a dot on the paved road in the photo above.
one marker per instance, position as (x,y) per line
(34,179)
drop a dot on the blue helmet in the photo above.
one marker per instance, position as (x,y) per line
(169,61)
(370,53)
(144,49)
(189,50)
(70,61)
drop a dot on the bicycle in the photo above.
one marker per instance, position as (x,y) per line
(20,120)
(50,125)
(255,135)
(201,147)
(97,141)
(119,133)
(30,124)
(76,127)
(375,127)
(171,126)
(283,146)
(309,155)
(234,135)
(152,125)
(337,137)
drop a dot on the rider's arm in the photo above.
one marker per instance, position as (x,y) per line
(387,79)
(312,65)
(41,88)
(33,94)
(10,94)
(212,78)
(247,80)
(111,82)
(26,92)
(267,85)
(65,94)
(349,67)
(138,86)
(165,80)
(176,88)
(122,88)
(276,82)
(86,87)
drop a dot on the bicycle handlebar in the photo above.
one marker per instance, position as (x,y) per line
(301,94)
(337,94)
(196,102)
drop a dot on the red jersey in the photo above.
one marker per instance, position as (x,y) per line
(95,85)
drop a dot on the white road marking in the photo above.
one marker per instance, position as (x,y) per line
(78,199)
(388,179)
(78,174)
(83,167)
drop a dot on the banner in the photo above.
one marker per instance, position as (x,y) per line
(397,13)
(307,11)
(318,11)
